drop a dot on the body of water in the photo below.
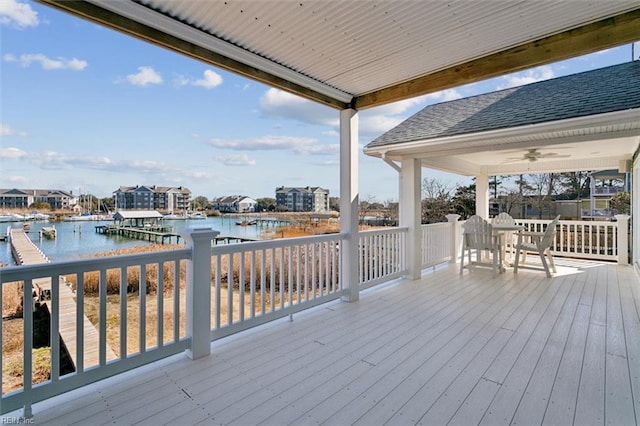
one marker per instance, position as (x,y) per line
(80,239)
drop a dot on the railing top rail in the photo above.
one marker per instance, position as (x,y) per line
(267,244)
(569,222)
(19,273)
(437,224)
(385,230)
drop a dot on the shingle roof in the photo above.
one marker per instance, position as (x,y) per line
(603,90)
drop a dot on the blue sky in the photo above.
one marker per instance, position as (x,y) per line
(85,108)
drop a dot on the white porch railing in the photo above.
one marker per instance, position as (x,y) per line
(382,255)
(257,282)
(153,338)
(584,239)
(437,243)
(190,297)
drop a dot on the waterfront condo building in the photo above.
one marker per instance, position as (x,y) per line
(166,198)
(302,199)
(23,198)
(234,204)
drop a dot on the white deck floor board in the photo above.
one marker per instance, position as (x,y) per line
(445,349)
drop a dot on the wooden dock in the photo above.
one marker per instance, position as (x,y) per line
(159,234)
(25,252)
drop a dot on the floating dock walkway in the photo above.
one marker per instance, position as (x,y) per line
(159,234)
(25,252)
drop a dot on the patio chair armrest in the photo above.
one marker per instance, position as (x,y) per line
(530,234)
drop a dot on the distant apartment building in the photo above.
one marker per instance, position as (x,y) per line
(234,204)
(166,198)
(23,198)
(302,199)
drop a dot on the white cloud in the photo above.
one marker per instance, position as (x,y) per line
(145,77)
(264,143)
(444,95)
(20,15)
(16,179)
(210,80)
(236,160)
(544,72)
(47,63)
(6,130)
(276,103)
(12,153)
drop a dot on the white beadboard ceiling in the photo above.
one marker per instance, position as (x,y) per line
(337,52)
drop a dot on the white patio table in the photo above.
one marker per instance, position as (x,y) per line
(502,230)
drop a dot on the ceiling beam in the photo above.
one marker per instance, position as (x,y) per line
(607,33)
(99,15)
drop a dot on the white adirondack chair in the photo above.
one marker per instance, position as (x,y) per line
(478,236)
(506,219)
(540,243)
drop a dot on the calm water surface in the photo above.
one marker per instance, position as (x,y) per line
(79,239)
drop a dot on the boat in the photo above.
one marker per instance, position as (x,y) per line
(48,232)
(197,215)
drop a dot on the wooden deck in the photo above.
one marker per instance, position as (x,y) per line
(442,350)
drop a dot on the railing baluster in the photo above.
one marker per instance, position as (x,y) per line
(218,291)
(306,272)
(27,314)
(176,300)
(142,313)
(230,289)
(160,307)
(272,286)
(263,280)
(252,283)
(123,312)
(298,274)
(241,266)
(102,315)
(313,269)
(54,324)
(80,320)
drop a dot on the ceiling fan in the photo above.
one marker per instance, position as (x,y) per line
(533,154)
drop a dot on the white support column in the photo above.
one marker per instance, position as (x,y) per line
(410,209)
(199,290)
(482,196)
(623,238)
(349,204)
(456,239)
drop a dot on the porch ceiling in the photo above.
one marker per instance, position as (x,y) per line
(360,54)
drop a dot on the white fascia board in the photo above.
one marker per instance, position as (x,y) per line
(153,19)
(490,137)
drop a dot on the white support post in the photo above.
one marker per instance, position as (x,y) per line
(410,205)
(455,236)
(482,196)
(198,300)
(623,238)
(349,204)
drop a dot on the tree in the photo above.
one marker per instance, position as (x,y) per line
(621,203)
(437,202)
(266,204)
(200,202)
(334,203)
(575,185)
(544,186)
(464,201)
(40,205)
